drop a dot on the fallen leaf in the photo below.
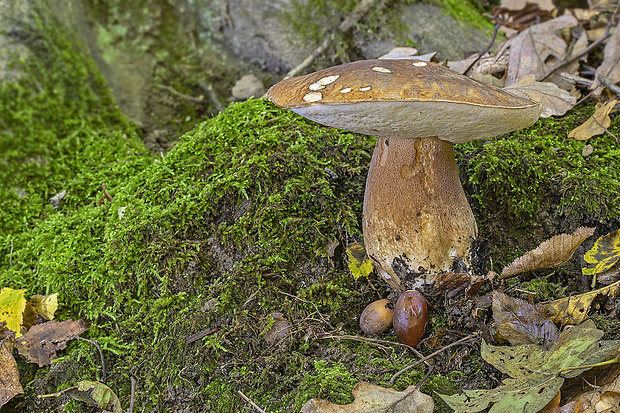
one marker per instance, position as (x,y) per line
(535,373)
(370,398)
(46,305)
(520,18)
(551,253)
(40,344)
(103,396)
(555,101)
(359,263)
(12,305)
(9,375)
(520,322)
(610,68)
(565,310)
(603,255)
(535,50)
(596,124)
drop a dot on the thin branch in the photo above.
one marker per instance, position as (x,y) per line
(441,350)
(96,344)
(174,92)
(374,341)
(247,399)
(585,51)
(351,20)
(133,394)
(607,82)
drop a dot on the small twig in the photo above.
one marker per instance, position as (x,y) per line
(485,51)
(613,136)
(174,92)
(96,344)
(133,394)
(375,341)
(585,51)
(323,319)
(605,81)
(247,399)
(58,393)
(11,254)
(409,367)
(362,8)
(202,334)
(215,101)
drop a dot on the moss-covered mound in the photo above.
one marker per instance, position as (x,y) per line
(247,215)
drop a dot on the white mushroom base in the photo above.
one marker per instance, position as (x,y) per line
(416,217)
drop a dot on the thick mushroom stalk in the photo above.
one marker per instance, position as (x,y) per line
(416,215)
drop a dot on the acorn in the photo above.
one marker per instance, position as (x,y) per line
(410,317)
(376,317)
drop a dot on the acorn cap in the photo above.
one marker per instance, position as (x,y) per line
(404,99)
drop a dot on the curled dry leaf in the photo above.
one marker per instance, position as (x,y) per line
(571,310)
(610,68)
(9,375)
(551,253)
(522,17)
(596,124)
(555,101)
(520,322)
(40,344)
(370,398)
(46,305)
(535,50)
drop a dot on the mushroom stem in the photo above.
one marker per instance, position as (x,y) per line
(416,216)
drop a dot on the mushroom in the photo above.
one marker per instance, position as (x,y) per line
(417,221)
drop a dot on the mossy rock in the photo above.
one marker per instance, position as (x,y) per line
(179,274)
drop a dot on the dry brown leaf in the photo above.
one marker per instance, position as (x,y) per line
(602,398)
(520,322)
(9,375)
(535,50)
(520,18)
(596,124)
(520,4)
(370,398)
(555,101)
(551,253)
(610,68)
(40,344)
(565,310)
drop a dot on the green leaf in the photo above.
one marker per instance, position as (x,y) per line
(12,305)
(102,395)
(534,372)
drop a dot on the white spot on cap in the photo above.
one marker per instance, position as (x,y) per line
(364,89)
(381,69)
(313,97)
(324,81)
(419,64)
(345,90)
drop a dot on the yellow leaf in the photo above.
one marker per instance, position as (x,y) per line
(565,310)
(46,305)
(12,305)
(596,124)
(359,263)
(603,255)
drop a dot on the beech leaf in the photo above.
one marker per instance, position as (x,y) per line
(370,398)
(40,344)
(596,124)
(534,372)
(535,50)
(555,101)
(551,253)
(610,68)
(520,322)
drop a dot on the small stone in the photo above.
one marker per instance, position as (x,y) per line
(248,86)
(587,150)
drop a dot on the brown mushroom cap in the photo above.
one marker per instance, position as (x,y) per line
(404,99)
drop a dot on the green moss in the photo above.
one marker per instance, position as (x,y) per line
(465,12)
(331,382)
(513,174)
